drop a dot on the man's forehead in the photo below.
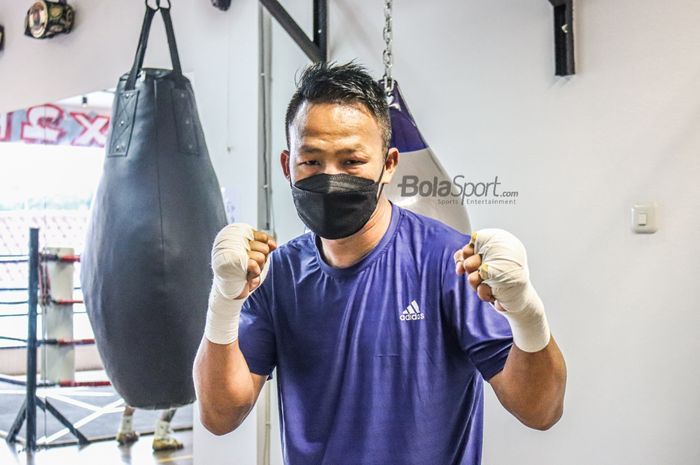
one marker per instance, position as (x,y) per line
(333,113)
(335,120)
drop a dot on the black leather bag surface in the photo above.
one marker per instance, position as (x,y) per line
(146,269)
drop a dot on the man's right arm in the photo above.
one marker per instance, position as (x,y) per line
(226,389)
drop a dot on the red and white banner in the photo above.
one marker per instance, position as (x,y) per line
(56,125)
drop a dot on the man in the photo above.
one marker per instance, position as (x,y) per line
(380,341)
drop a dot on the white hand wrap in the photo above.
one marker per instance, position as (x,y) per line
(229,261)
(504,269)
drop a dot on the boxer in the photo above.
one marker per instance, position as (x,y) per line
(381,325)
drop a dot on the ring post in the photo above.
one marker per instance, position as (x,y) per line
(31,338)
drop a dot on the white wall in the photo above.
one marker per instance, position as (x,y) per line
(100,48)
(479,78)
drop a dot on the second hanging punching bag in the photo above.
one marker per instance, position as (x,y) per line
(145,269)
(418,161)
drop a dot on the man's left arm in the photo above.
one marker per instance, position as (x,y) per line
(532,383)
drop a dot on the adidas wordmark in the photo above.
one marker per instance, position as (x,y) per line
(412,312)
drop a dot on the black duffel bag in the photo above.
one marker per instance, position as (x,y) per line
(145,269)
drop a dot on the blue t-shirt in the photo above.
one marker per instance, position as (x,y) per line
(380,363)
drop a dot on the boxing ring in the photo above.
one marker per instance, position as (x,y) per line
(38,389)
(39,290)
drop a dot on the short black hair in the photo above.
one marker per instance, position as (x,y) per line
(349,83)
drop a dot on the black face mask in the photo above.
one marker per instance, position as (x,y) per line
(336,205)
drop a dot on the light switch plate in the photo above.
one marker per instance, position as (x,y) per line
(644,218)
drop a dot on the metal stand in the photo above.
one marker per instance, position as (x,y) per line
(28,410)
(316,50)
(564,37)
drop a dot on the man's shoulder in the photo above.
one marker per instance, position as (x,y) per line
(301,242)
(434,234)
(295,249)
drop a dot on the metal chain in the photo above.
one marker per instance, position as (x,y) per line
(388,39)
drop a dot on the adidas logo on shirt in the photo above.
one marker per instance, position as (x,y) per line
(412,312)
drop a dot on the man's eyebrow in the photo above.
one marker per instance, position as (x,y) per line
(355,149)
(309,149)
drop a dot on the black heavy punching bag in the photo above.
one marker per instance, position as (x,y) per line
(146,270)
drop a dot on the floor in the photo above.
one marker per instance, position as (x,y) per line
(102,453)
(96,412)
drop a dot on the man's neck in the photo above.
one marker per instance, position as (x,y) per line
(345,252)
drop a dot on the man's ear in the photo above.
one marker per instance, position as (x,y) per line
(284,161)
(390,165)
